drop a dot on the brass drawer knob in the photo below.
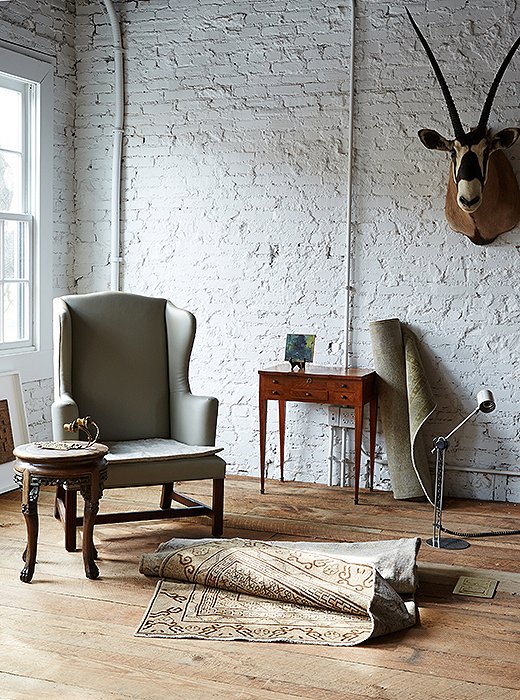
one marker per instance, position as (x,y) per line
(275,381)
(309,380)
(307,393)
(274,392)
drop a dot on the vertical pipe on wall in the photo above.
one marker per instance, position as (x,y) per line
(332,434)
(348,242)
(348,237)
(115,231)
(343,459)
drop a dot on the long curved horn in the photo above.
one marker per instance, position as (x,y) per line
(486,109)
(454,116)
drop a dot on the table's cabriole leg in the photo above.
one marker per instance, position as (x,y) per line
(91,495)
(30,493)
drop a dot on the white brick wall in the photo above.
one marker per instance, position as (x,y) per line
(234,201)
(49,26)
(234,197)
(462,300)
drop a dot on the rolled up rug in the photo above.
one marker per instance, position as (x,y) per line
(405,403)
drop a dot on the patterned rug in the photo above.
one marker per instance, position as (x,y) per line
(405,402)
(257,591)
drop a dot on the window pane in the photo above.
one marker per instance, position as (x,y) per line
(10,263)
(10,119)
(15,305)
(22,233)
(10,182)
(15,250)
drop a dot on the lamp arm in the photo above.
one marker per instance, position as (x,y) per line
(473,413)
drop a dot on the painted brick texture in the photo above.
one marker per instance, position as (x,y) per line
(234,198)
(234,202)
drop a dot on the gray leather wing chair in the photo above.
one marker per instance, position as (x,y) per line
(123,360)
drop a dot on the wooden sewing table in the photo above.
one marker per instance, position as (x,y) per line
(83,468)
(326,385)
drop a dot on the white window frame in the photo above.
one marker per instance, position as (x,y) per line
(34,361)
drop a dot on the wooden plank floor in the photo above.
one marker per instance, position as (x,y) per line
(65,636)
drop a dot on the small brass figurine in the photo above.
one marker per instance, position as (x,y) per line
(83,424)
(79,424)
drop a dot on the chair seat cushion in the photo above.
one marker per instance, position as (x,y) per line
(158,461)
(156,450)
(162,471)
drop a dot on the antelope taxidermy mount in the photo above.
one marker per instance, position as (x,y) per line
(483,199)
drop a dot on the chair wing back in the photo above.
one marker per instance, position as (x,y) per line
(111,358)
(193,419)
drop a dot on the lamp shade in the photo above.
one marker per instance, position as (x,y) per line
(485,401)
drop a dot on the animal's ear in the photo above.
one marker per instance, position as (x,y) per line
(504,139)
(432,139)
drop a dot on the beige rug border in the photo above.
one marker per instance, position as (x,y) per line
(198,637)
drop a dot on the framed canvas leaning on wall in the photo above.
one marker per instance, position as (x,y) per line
(13,425)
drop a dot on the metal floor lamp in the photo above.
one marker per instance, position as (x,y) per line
(486,404)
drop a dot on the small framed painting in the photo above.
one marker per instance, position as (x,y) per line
(299,349)
(6,433)
(13,425)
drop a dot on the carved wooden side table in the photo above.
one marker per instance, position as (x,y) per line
(83,468)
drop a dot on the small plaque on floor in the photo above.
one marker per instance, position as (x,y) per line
(477,587)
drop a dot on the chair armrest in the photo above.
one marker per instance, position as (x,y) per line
(194,418)
(63,410)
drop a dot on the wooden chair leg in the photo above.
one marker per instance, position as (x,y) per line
(166,495)
(218,508)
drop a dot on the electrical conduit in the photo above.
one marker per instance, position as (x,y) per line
(348,237)
(115,231)
(348,246)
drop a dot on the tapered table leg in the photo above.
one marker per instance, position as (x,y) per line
(263,428)
(358,430)
(281,428)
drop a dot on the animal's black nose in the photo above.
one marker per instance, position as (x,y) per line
(469,202)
